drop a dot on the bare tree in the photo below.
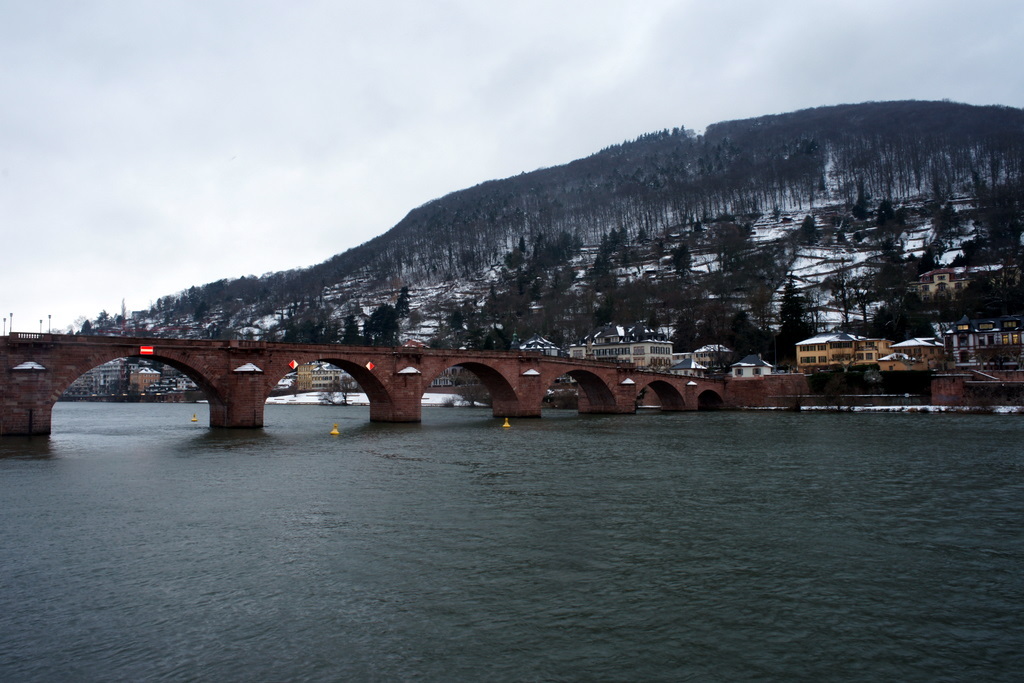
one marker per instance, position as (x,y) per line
(338,390)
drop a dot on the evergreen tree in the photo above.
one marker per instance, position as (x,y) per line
(604,314)
(402,305)
(860,207)
(681,260)
(601,273)
(794,321)
(885,212)
(745,337)
(927,261)
(350,335)
(808,230)
(381,329)
(685,334)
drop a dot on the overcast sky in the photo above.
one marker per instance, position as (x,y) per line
(146,146)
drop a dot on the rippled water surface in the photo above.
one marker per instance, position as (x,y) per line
(137,545)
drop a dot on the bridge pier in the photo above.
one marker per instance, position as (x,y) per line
(398,397)
(25,404)
(621,401)
(396,411)
(239,402)
(527,400)
(236,415)
(513,408)
(26,419)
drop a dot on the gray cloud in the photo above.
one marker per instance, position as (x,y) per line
(147,146)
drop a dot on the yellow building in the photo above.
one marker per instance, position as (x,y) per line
(839,349)
(920,353)
(141,378)
(944,283)
(711,356)
(318,376)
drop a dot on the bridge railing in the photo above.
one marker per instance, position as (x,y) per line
(247,344)
(15,337)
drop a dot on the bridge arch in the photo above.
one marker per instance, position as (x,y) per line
(60,376)
(505,400)
(382,403)
(709,399)
(199,374)
(66,375)
(669,396)
(595,394)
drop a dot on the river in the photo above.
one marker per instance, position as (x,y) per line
(726,546)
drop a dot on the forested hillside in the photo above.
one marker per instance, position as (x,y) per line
(755,232)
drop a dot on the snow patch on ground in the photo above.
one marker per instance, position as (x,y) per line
(316,398)
(997,410)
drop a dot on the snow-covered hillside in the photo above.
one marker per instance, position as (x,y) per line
(837,252)
(694,234)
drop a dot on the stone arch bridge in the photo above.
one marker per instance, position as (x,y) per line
(237,376)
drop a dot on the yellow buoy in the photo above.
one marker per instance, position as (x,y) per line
(194,418)
(506,425)
(335,432)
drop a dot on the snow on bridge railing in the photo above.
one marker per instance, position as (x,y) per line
(29,336)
